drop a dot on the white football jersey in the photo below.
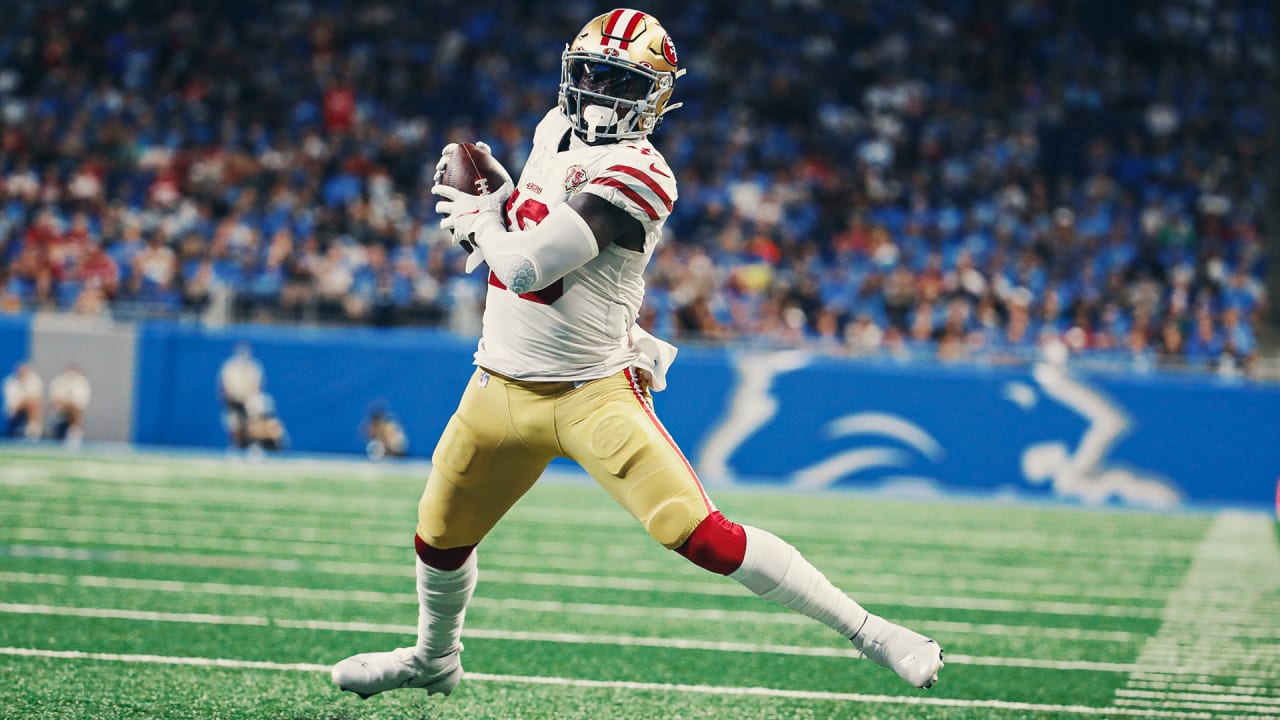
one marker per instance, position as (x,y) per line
(241,378)
(577,328)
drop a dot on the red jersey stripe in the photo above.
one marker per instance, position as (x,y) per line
(648,182)
(631,194)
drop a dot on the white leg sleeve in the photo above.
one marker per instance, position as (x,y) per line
(774,570)
(442,604)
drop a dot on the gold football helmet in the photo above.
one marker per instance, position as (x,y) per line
(616,76)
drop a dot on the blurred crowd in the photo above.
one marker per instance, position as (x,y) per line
(954,178)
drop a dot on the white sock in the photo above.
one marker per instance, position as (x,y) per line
(776,571)
(442,604)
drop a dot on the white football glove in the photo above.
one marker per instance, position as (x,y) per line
(445,154)
(464,212)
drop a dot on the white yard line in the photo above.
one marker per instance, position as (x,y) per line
(559,637)
(130,466)
(722,588)
(1246,686)
(940,575)
(1106,581)
(664,612)
(1217,654)
(1119,546)
(1216,697)
(19,477)
(537,510)
(1237,564)
(910,700)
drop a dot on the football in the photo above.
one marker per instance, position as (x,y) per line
(473,171)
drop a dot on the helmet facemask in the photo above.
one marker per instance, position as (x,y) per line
(616,76)
(609,98)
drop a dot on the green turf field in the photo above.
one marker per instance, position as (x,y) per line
(144,586)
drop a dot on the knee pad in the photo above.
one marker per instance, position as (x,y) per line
(616,441)
(431,525)
(455,450)
(442,518)
(717,544)
(671,523)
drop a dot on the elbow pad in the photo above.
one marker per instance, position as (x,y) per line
(530,260)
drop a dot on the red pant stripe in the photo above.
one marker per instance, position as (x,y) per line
(648,410)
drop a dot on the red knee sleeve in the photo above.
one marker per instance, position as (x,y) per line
(441,559)
(716,544)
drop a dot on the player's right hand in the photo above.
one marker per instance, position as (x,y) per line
(462,213)
(443,162)
(447,153)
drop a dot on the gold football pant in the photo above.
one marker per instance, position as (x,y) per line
(505,432)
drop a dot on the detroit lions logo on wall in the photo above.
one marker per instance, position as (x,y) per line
(1060,433)
(755,403)
(575,178)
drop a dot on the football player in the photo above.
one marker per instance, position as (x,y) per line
(69,394)
(239,380)
(386,435)
(23,396)
(563,371)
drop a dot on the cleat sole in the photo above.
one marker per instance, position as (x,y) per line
(362,696)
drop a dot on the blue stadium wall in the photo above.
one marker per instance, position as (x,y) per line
(15,341)
(1153,440)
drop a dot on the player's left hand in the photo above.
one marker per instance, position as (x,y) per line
(462,213)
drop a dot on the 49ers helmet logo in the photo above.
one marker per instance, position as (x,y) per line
(669,50)
(575,178)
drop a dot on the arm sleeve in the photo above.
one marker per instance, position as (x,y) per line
(530,260)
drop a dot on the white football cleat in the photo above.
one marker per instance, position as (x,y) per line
(368,674)
(914,657)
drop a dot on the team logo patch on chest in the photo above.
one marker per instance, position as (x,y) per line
(575,178)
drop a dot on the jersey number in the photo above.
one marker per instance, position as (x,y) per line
(525,215)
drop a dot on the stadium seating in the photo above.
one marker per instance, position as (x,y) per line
(955,180)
